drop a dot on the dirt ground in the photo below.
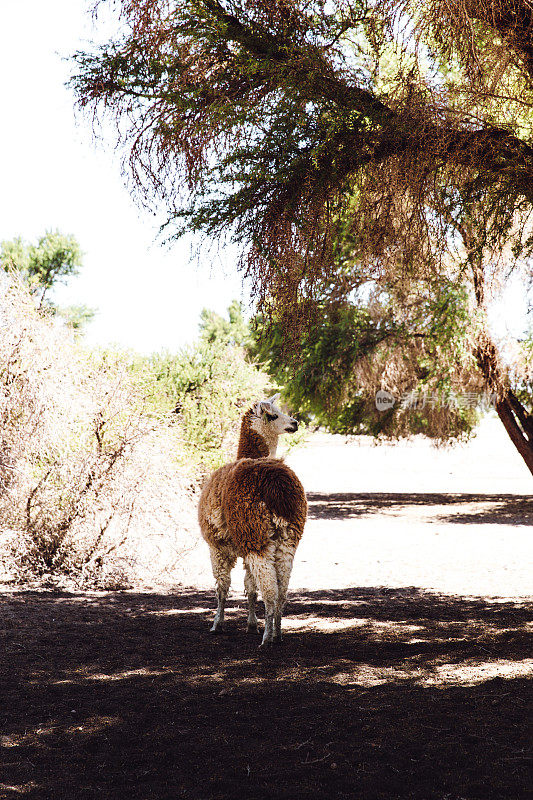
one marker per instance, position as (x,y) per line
(405,671)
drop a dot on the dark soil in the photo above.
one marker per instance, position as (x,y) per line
(127,696)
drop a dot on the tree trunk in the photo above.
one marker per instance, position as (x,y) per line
(517,421)
(520,437)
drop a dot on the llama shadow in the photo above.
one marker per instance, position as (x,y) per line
(374,693)
(504,509)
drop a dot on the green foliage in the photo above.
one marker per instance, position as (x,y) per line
(446,321)
(207,386)
(216,329)
(75,317)
(54,260)
(332,373)
(210,413)
(522,372)
(315,376)
(386,143)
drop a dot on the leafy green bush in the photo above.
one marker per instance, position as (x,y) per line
(208,387)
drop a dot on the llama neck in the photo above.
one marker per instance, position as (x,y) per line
(255,443)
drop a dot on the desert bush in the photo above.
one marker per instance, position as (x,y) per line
(102,451)
(71,420)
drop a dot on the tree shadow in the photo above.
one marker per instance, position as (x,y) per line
(504,509)
(373,694)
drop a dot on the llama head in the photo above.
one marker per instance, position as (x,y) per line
(270,421)
(261,427)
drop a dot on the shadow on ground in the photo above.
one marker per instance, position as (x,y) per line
(505,509)
(373,694)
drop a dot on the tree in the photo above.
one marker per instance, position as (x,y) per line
(422,337)
(358,349)
(402,130)
(209,384)
(52,261)
(216,329)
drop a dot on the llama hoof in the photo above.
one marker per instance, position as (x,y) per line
(277,640)
(215,631)
(252,629)
(266,645)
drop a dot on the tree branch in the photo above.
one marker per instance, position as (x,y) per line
(495,150)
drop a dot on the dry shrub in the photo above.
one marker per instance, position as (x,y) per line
(84,461)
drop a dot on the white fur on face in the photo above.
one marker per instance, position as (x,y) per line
(272,420)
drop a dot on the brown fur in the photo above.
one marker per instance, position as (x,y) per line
(255,508)
(251,444)
(243,504)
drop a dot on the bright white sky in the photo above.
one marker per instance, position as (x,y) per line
(53,176)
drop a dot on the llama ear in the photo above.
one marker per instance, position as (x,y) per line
(265,407)
(274,399)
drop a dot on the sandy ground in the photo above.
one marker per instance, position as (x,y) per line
(452,519)
(404,674)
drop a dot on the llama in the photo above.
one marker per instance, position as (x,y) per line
(255,508)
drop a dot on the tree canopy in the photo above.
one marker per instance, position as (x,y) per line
(258,118)
(357,150)
(215,328)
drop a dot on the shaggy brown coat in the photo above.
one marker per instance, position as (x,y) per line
(245,504)
(255,508)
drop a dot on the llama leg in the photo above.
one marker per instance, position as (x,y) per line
(222,565)
(263,570)
(283,560)
(251,593)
